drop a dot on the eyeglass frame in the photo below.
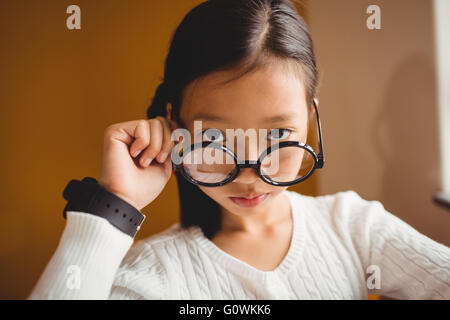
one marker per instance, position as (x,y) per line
(319,160)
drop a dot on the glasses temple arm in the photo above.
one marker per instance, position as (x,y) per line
(320,156)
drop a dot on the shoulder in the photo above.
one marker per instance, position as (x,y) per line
(347,197)
(366,222)
(344,206)
(325,200)
(348,215)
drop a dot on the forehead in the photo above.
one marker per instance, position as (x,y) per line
(273,93)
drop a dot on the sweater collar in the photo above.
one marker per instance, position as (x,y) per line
(246,270)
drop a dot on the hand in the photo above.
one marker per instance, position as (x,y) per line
(136,161)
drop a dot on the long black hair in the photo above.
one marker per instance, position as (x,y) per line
(220,35)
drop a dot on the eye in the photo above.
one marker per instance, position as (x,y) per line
(279,134)
(213,135)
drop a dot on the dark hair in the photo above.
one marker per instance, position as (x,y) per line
(220,35)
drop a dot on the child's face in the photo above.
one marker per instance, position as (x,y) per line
(269,98)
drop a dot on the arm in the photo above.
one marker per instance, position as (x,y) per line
(85,261)
(91,249)
(410,264)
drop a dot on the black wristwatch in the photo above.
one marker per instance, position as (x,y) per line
(90,197)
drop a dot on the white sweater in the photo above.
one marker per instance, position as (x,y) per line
(341,246)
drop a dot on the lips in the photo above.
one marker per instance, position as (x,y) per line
(249,195)
(249,200)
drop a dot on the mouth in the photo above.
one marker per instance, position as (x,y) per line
(249,200)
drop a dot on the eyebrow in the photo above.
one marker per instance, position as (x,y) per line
(279,118)
(210,117)
(216,118)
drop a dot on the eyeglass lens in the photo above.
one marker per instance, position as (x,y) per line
(214,165)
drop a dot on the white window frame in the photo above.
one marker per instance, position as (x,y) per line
(442,43)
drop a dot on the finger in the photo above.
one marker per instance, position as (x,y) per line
(156,137)
(174,125)
(168,167)
(167,143)
(141,135)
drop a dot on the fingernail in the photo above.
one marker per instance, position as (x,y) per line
(136,153)
(147,162)
(163,156)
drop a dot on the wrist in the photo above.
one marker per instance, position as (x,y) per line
(92,197)
(108,188)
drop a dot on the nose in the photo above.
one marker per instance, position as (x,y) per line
(246,148)
(247,176)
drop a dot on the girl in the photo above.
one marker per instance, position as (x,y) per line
(250,65)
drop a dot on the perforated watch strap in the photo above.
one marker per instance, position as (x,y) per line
(90,197)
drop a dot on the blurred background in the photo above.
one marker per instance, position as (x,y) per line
(60,88)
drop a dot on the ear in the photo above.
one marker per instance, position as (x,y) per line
(173,123)
(168,111)
(311,109)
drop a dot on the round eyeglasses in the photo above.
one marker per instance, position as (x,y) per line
(212,164)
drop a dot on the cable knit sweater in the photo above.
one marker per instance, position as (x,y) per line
(341,246)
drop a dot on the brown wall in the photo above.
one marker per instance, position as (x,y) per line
(60,89)
(379,108)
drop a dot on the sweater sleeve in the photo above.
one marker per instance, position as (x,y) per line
(399,261)
(85,262)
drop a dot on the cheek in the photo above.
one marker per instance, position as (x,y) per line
(277,190)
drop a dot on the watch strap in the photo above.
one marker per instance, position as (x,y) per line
(90,197)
